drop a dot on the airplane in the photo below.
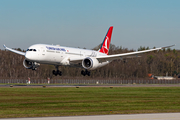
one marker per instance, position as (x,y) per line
(60,55)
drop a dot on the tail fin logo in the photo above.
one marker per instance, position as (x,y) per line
(106,42)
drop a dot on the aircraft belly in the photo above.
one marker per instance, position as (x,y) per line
(51,58)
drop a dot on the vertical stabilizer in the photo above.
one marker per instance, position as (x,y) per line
(106,42)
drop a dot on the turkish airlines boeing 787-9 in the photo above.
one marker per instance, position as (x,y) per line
(59,55)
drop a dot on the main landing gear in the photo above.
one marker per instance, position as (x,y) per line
(57,72)
(86,72)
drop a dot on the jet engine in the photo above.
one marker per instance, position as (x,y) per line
(90,63)
(30,65)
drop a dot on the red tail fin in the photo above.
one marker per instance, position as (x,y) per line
(106,42)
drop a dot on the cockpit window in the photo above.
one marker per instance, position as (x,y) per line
(32,50)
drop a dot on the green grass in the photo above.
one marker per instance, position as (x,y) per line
(70,101)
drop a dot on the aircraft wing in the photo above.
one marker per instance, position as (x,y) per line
(127,55)
(15,51)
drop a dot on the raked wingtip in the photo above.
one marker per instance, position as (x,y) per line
(168,46)
(4,46)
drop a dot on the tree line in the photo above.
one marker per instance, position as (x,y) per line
(157,63)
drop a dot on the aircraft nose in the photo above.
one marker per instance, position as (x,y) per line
(28,56)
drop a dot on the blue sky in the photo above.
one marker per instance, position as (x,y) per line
(84,23)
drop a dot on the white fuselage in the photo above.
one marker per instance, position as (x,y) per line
(58,55)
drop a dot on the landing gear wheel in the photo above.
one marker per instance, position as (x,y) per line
(53,72)
(34,69)
(88,73)
(82,72)
(57,72)
(85,73)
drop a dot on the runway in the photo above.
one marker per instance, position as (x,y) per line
(153,116)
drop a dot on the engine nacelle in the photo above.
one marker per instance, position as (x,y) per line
(30,65)
(90,63)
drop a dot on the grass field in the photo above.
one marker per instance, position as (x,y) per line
(70,101)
